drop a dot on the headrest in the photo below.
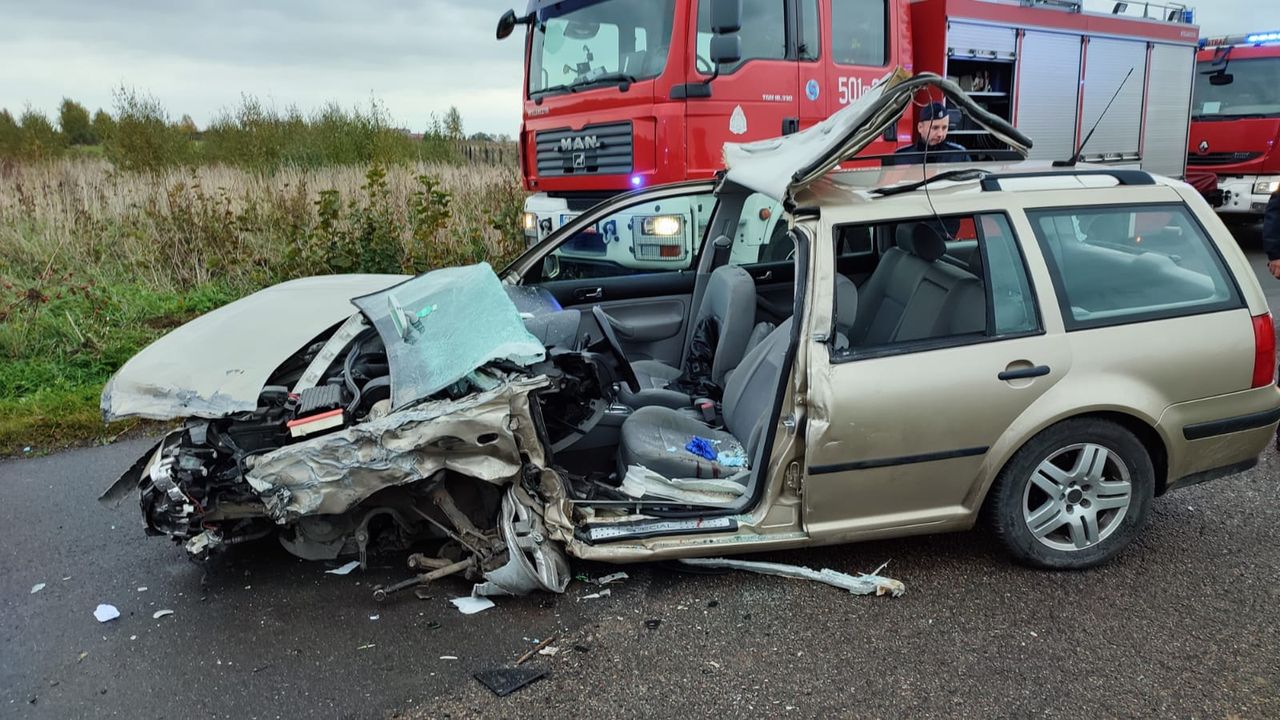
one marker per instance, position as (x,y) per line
(921,240)
(846,302)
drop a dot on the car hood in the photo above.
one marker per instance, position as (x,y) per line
(218,363)
(780,167)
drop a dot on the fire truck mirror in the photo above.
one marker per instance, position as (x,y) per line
(726,49)
(726,18)
(1221,78)
(506,24)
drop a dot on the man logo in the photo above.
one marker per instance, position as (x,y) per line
(583,142)
(1204,146)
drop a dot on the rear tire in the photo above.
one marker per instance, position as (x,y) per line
(1074,496)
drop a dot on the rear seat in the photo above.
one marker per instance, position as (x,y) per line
(912,296)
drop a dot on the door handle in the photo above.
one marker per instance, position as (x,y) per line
(588,293)
(1023,373)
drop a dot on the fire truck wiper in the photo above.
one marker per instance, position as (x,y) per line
(620,78)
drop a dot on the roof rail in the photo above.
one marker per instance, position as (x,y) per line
(991,183)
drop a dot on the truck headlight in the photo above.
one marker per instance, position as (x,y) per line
(1266,187)
(662,226)
(529,222)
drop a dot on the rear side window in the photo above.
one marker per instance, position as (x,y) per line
(1113,265)
(859,29)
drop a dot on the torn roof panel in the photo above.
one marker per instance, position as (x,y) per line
(440,327)
(218,363)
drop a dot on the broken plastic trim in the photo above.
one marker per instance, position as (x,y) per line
(861,584)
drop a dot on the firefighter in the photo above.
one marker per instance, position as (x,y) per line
(931,134)
(1271,234)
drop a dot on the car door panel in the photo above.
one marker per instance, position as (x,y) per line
(652,309)
(905,436)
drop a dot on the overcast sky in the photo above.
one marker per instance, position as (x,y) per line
(415,56)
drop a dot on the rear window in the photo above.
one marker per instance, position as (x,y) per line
(1114,265)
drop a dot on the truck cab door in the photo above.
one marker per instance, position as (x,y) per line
(755,98)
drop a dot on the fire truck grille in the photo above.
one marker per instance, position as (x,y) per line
(1222,158)
(593,150)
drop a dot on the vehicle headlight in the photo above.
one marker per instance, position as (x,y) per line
(529,221)
(663,225)
(1266,187)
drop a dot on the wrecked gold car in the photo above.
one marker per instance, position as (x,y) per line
(846,355)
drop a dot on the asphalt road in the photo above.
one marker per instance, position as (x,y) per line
(1184,624)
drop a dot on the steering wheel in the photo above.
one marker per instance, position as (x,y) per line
(624,365)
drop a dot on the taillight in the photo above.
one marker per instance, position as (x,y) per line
(1264,351)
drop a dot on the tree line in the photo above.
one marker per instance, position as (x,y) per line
(139,135)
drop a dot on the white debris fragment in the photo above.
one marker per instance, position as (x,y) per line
(366,647)
(345,569)
(448,657)
(597,596)
(106,612)
(374,617)
(858,585)
(160,613)
(133,637)
(610,578)
(549,651)
(36,588)
(142,588)
(471,605)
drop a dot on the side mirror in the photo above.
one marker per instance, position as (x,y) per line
(509,21)
(1221,78)
(726,16)
(726,49)
(551,267)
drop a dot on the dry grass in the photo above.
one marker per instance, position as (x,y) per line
(96,263)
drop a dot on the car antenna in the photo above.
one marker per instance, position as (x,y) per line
(1075,157)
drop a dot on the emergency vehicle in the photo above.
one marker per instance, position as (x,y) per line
(621,95)
(1233,156)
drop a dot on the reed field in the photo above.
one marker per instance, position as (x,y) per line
(98,258)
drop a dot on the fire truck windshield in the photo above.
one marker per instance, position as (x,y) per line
(580,43)
(1254,90)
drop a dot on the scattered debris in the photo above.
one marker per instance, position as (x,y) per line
(536,648)
(582,648)
(858,585)
(374,617)
(549,651)
(106,612)
(713,603)
(734,457)
(471,605)
(366,647)
(133,637)
(83,655)
(37,588)
(652,623)
(345,569)
(160,613)
(142,588)
(610,578)
(504,681)
(448,657)
(597,596)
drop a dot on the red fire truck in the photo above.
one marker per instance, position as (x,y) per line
(622,94)
(1234,152)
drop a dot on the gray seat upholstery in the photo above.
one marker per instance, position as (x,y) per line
(731,300)
(912,296)
(655,437)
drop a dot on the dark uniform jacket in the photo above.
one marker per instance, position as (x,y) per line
(1271,228)
(944,152)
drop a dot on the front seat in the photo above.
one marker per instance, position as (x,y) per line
(729,303)
(655,437)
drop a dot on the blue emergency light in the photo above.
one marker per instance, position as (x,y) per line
(1265,37)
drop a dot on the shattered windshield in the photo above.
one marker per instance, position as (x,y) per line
(1254,90)
(439,328)
(579,43)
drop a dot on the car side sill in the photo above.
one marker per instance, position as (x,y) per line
(1200,431)
(899,460)
(1212,474)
